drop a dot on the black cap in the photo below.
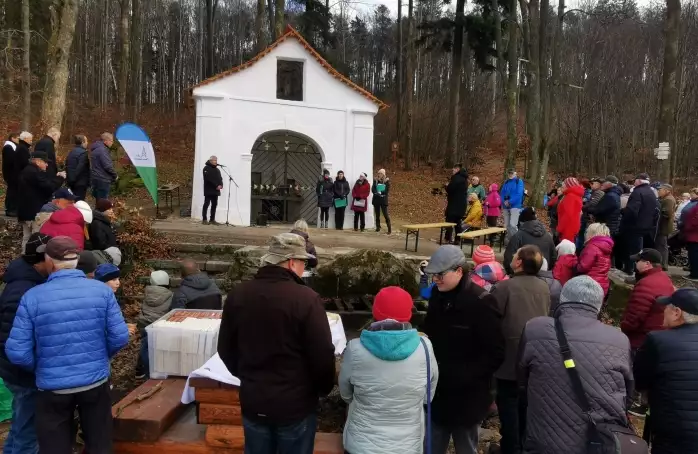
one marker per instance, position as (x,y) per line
(32,254)
(685,299)
(458,166)
(39,155)
(87,262)
(642,176)
(64,193)
(649,255)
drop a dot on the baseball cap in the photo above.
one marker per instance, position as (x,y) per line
(31,253)
(642,176)
(87,262)
(649,255)
(666,186)
(64,193)
(446,257)
(685,298)
(611,179)
(392,303)
(285,246)
(60,248)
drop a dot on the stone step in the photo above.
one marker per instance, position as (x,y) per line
(173,266)
(177,281)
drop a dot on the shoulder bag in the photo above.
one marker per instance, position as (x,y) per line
(602,437)
(427,438)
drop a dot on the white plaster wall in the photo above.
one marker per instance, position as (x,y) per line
(233,112)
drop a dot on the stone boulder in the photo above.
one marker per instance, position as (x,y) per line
(364,272)
(618,295)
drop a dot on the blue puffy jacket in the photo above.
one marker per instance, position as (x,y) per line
(512,191)
(66,330)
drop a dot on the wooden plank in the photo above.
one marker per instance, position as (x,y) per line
(435,225)
(180,439)
(224,396)
(482,232)
(201,382)
(233,437)
(149,418)
(220,414)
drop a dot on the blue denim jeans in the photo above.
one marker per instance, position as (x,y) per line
(22,436)
(100,189)
(145,361)
(296,438)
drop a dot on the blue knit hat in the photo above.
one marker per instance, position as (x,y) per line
(106,272)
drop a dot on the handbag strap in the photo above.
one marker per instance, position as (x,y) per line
(428,435)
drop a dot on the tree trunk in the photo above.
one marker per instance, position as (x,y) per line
(125,54)
(270,14)
(137,56)
(500,63)
(454,86)
(512,89)
(667,105)
(279,10)
(398,73)
(409,83)
(543,152)
(57,58)
(26,68)
(533,107)
(210,16)
(259,26)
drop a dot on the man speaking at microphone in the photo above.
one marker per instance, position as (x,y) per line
(213,183)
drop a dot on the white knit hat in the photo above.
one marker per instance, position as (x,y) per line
(159,278)
(85,210)
(566,247)
(115,254)
(582,289)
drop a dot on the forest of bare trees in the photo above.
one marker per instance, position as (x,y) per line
(591,89)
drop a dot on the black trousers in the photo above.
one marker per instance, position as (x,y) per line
(377,214)
(512,416)
(80,192)
(492,221)
(449,231)
(11,198)
(55,429)
(213,201)
(359,216)
(325,214)
(339,218)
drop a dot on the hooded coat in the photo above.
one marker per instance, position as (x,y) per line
(554,422)
(157,302)
(513,192)
(212,180)
(569,212)
(9,151)
(607,211)
(595,260)
(384,380)
(642,312)
(77,167)
(493,202)
(66,222)
(565,268)
(689,228)
(197,291)
(102,234)
(473,215)
(325,192)
(19,277)
(531,232)
(360,191)
(456,195)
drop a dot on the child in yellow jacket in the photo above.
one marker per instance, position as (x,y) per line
(473,214)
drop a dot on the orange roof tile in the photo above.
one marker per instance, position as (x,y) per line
(292,33)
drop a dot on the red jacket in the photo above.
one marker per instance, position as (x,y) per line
(360,191)
(66,222)
(565,267)
(642,313)
(569,213)
(690,226)
(595,260)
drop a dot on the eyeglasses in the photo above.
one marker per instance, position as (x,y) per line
(440,276)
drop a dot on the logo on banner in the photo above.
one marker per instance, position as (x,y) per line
(142,156)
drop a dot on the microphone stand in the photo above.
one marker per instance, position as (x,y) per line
(230,180)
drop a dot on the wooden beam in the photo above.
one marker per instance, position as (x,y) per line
(220,414)
(223,396)
(180,439)
(233,438)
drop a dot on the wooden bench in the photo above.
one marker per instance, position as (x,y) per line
(413,229)
(471,235)
(149,410)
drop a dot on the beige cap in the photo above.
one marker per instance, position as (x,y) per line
(286,246)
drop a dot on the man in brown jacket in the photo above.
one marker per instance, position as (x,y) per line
(276,339)
(667,205)
(519,299)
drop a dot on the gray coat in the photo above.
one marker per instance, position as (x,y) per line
(198,289)
(555,423)
(156,303)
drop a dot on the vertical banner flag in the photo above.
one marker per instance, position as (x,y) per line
(140,151)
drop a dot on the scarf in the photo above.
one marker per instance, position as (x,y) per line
(12,144)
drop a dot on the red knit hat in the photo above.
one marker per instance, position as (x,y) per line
(393,303)
(571,181)
(483,254)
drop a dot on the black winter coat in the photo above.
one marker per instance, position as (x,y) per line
(457,195)
(667,367)
(35,189)
(465,330)
(102,234)
(607,211)
(77,167)
(19,277)
(325,192)
(341,189)
(380,199)
(22,155)
(48,145)
(212,180)
(8,164)
(641,215)
(531,232)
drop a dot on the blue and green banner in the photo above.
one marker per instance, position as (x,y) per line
(140,151)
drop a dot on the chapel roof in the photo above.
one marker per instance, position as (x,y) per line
(291,33)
